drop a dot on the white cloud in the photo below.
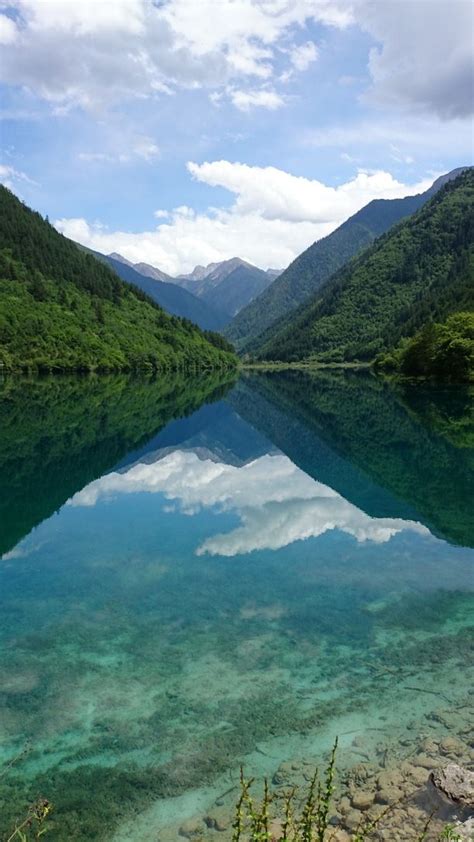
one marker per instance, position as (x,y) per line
(146,149)
(276,194)
(276,525)
(209,24)
(141,147)
(8,30)
(97,157)
(92,54)
(276,501)
(82,16)
(424,57)
(275,216)
(189,238)
(245,100)
(302,56)
(13,178)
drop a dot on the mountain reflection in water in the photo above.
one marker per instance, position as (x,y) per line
(198,572)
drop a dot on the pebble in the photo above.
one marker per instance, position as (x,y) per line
(456,783)
(219,818)
(389,778)
(353,819)
(450,745)
(283,773)
(362,800)
(344,805)
(340,836)
(389,795)
(430,746)
(417,774)
(424,761)
(191,827)
(276,829)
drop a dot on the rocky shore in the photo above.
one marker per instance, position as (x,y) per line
(414,778)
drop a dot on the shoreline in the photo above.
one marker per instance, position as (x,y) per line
(304,366)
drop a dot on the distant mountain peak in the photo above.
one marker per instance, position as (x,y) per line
(224,287)
(217,270)
(116,256)
(153,272)
(145,269)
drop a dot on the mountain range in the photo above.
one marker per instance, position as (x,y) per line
(219,290)
(311,269)
(173,298)
(419,272)
(393,285)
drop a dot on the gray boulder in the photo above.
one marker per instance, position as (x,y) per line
(456,783)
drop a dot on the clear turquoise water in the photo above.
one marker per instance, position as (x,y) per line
(286,563)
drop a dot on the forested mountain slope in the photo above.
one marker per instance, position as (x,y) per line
(315,265)
(421,270)
(61,309)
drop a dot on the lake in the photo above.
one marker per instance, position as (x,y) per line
(199,573)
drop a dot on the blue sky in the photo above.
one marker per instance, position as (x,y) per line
(188,131)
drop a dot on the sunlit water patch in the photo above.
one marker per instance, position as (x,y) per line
(208,602)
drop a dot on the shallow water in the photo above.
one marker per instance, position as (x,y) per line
(199,574)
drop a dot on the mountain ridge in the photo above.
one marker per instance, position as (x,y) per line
(225,286)
(173,298)
(421,269)
(313,267)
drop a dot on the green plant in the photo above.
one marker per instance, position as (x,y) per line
(34,826)
(309,820)
(450,834)
(309,823)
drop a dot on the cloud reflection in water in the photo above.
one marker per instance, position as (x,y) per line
(276,501)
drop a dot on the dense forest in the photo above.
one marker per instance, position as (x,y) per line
(61,309)
(420,271)
(256,322)
(441,351)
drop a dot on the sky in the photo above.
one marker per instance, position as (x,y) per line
(184,132)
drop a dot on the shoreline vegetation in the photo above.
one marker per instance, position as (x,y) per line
(440,352)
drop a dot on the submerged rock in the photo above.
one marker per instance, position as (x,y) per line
(451,745)
(465,830)
(456,783)
(219,818)
(191,828)
(389,795)
(362,800)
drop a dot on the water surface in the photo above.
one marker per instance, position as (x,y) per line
(198,574)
